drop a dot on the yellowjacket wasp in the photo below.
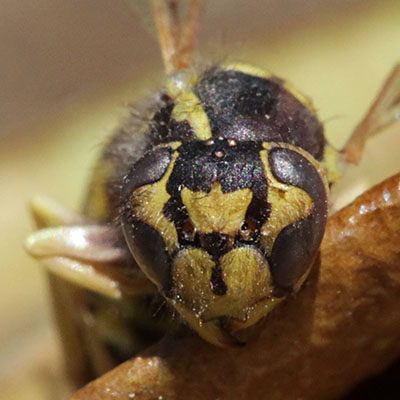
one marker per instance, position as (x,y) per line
(215,201)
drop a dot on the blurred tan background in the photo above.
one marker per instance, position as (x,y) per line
(67,70)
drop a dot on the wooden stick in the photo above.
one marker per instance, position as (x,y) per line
(343,326)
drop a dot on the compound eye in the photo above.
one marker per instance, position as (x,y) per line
(248,230)
(148,249)
(147,170)
(296,246)
(145,228)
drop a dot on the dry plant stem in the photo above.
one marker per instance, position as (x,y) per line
(343,326)
(384,111)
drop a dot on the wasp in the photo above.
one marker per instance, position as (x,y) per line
(210,207)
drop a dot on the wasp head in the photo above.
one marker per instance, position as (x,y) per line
(226,214)
(225,228)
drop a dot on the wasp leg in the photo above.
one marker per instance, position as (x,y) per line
(385,111)
(47,212)
(89,268)
(90,256)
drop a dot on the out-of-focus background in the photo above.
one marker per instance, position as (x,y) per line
(67,70)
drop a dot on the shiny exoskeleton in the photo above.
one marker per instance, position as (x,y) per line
(221,195)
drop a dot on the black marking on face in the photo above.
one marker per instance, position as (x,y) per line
(176,212)
(163,128)
(297,244)
(216,244)
(245,107)
(198,167)
(218,286)
(148,249)
(149,169)
(259,209)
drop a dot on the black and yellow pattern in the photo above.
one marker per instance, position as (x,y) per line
(214,202)
(225,208)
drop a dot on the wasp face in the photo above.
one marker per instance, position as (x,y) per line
(224,226)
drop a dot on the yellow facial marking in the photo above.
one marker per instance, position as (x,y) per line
(316,164)
(172,145)
(188,108)
(147,205)
(246,69)
(217,211)
(192,279)
(255,313)
(245,272)
(247,276)
(288,204)
(287,207)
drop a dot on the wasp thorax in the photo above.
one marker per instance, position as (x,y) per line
(220,221)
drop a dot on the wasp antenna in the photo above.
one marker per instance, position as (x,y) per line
(177,43)
(190,32)
(167,21)
(383,113)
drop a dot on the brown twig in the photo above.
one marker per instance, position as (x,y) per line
(343,326)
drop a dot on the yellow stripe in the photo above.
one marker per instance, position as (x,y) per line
(315,163)
(148,202)
(217,211)
(188,108)
(288,203)
(246,69)
(187,104)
